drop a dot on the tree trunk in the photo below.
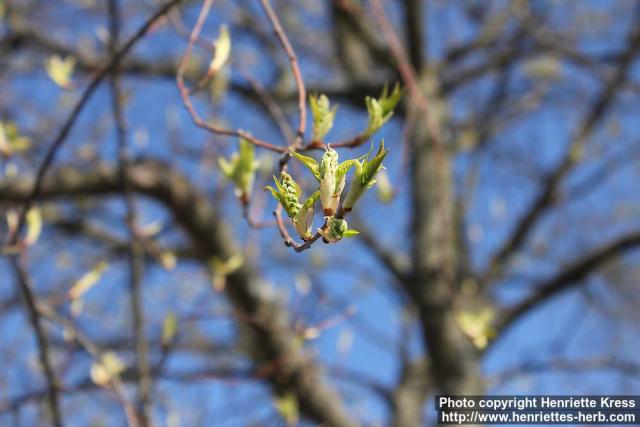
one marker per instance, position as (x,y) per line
(455,364)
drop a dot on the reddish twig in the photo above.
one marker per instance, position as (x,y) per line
(271,105)
(298,140)
(357,141)
(185,92)
(27,294)
(115,383)
(295,69)
(252,223)
(176,21)
(407,72)
(288,240)
(352,143)
(135,249)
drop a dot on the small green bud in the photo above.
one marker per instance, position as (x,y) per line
(241,168)
(386,192)
(11,140)
(291,194)
(332,177)
(322,116)
(329,162)
(287,192)
(364,177)
(334,230)
(222,50)
(380,110)
(328,168)
(304,220)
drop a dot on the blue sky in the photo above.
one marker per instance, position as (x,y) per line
(576,325)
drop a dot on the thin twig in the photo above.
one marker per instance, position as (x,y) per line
(295,69)
(25,287)
(115,382)
(547,197)
(568,278)
(354,142)
(408,73)
(288,240)
(136,251)
(246,214)
(185,91)
(275,111)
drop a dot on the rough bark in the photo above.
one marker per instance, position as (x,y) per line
(407,400)
(454,361)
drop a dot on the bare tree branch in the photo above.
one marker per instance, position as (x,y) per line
(26,291)
(136,252)
(547,196)
(60,138)
(567,278)
(281,361)
(185,92)
(295,69)
(115,381)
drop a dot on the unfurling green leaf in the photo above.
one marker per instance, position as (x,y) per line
(34,226)
(109,367)
(478,325)
(220,269)
(60,70)
(226,166)
(344,167)
(304,220)
(88,280)
(323,116)
(241,168)
(386,192)
(169,328)
(168,260)
(219,86)
(222,47)
(10,139)
(287,406)
(380,110)
(364,175)
(310,163)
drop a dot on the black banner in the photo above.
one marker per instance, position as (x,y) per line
(538,409)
